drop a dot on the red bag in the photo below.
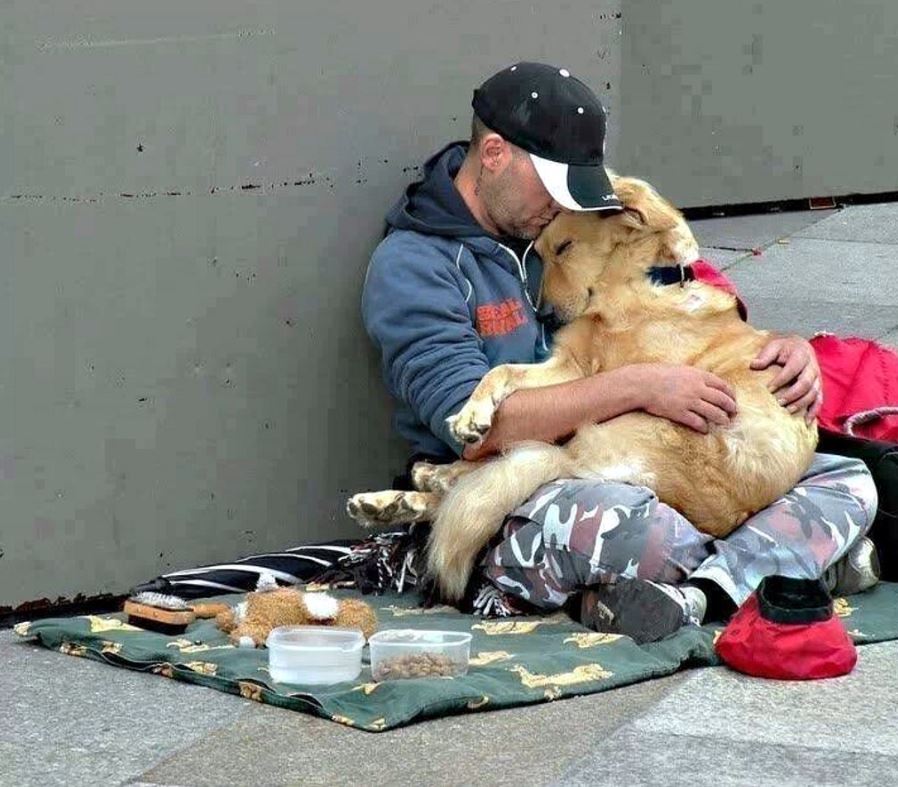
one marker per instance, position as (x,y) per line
(787,630)
(860,387)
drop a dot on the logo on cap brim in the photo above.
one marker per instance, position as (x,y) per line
(577,187)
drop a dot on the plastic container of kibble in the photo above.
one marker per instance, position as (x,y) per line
(314,654)
(417,653)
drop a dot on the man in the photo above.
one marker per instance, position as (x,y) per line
(452,291)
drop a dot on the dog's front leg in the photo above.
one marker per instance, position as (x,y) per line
(475,418)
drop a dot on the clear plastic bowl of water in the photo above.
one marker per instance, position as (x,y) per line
(314,655)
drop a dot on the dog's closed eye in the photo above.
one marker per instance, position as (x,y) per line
(562,247)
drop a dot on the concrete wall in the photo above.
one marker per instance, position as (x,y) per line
(189,193)
(743,101)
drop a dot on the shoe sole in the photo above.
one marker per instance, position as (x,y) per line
(639,611)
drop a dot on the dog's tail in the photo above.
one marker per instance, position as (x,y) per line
(474,509)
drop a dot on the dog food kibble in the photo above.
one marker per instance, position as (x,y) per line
(416,665)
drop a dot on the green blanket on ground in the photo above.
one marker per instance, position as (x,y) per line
(515,661)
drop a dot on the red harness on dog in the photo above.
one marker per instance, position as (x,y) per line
(705,272)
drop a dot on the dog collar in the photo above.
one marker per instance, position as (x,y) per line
(671,274)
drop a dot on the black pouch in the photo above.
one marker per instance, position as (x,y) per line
(881,459)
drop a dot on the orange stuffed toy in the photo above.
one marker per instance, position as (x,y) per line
(250,622)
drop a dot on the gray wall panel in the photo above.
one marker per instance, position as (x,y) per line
(735,102)
(183,372)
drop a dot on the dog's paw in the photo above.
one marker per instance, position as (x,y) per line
(425,477)
(373,509)
(472,423)
(436,479)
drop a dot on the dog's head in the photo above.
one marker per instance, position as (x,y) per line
(585,253)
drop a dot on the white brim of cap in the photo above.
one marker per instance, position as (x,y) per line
(554,175)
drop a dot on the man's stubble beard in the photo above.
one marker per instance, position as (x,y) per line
(501,211)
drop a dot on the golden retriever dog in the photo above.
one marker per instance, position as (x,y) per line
(595,276)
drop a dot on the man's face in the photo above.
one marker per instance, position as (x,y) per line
(515,198)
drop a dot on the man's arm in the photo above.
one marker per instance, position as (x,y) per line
(415,310)
(683,394)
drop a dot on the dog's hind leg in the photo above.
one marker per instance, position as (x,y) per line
(395,507)
(474,509)
(427,477)
(392,507)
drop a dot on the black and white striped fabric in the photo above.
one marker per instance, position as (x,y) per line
(289,567)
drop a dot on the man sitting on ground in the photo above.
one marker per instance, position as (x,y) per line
(452,291)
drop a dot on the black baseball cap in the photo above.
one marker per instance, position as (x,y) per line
(560,122)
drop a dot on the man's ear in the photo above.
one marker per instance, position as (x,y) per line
(494,152)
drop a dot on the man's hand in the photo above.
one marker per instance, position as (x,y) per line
(686,395)
(797,384)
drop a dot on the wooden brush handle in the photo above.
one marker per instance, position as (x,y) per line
(173,617)
(210,610)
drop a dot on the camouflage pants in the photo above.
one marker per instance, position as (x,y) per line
(574,533)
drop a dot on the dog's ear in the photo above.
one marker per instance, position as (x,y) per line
(644,208)
(634,218)
(634,213)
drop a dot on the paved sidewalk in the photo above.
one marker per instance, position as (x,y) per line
(816,271)
(70,721)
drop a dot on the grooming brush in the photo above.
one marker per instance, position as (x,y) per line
(159,612)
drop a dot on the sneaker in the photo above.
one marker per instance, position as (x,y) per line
(857,571)
(642,610)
